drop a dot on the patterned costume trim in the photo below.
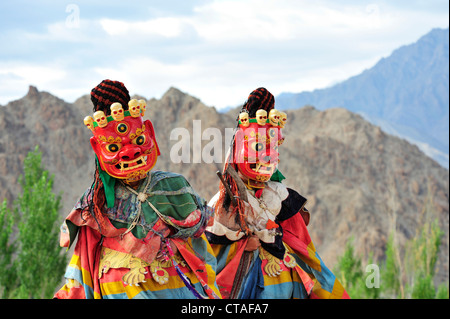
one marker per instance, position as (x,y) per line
(87,277)
(298,272)
(113,263)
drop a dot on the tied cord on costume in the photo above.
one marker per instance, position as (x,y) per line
(142,196)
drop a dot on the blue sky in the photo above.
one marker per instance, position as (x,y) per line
(217,51)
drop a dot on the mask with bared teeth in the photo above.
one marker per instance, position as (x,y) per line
(125,145)
(257,138)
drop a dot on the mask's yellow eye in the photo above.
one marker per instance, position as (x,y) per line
(122,128)
(113,148)
(140,140)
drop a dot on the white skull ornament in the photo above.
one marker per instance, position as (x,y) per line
(283,119)
(89,122)
(117,111)
(142,104)
(100,118)
(134,108)
(243,118)
(261,117)
(274,117)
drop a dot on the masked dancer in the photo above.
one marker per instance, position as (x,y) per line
(259,235)
(140,232)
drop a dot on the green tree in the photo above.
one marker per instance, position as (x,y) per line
(350,272)
(420,257)
(409,270)
(411,273)
(392,281)
(442,292)
(7,274)
(39,264)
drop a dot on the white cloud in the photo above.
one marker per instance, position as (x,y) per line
(167,27)
(146,76)
(236,20)
(219,51)
(16,77)
(152,78)
(284,19)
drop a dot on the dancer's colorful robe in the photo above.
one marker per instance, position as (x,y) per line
(289,267)
(109,262)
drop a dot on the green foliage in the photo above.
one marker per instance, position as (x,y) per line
(423,288)
(442,292)
(7,274)
(420,260)
(350,271)
(391,279)
(39,264)
(408,270)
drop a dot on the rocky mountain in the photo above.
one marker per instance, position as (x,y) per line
(357,178)
(45,120)
(406,94)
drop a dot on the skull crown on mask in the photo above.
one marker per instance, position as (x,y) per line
(124,143)
(256,144)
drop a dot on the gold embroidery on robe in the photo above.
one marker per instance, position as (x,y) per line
(116,259)
(273,266)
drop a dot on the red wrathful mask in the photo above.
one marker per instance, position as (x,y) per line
(124,143)
(256,144)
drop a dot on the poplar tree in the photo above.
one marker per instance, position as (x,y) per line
(7,274)
(408,271)
(38,264)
